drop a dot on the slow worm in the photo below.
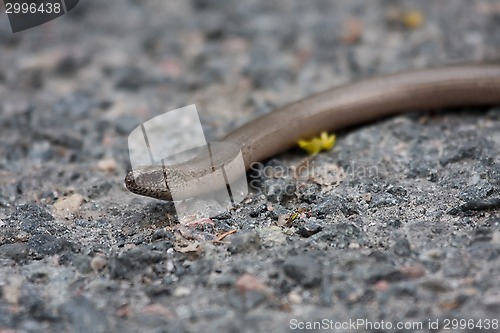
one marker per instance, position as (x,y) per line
(339,107)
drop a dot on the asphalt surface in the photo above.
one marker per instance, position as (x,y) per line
(401,228)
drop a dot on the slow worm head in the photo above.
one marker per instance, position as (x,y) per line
(339,107)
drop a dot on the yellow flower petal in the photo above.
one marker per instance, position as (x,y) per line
(412,19)
(317,144)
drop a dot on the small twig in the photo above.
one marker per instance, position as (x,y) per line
(224,235)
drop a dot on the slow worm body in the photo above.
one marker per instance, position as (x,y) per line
(339,107)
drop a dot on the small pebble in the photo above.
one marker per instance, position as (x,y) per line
(98,263)
(294,297)
(107,165)
(181,292)
(69,204)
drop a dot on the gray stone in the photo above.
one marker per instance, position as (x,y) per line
(16,251)
(48,244)
(84,316)
(303,269)
(245,241)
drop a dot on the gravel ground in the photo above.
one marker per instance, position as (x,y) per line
(409,232)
